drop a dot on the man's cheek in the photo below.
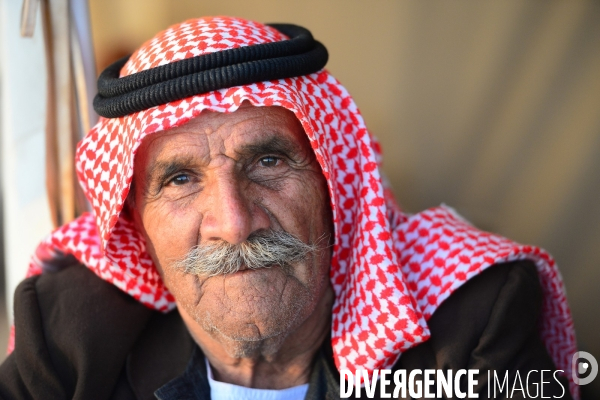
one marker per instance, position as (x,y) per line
(185,287)
(293,207)
(171,230)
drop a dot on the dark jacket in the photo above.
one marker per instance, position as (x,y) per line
(80,337)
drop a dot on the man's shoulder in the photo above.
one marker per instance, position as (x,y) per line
(491,323)
(505,293)
(73,328)
(75,300)
(504,301)
(67,280)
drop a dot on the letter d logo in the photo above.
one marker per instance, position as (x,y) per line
(580,367)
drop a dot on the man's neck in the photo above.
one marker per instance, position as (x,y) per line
(273,363)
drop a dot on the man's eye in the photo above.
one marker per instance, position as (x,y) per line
(269,161)
(179,180)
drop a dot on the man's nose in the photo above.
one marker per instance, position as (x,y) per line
(231,212)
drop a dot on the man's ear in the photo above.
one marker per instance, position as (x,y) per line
(129,206)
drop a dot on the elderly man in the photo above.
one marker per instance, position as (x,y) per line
(244,245)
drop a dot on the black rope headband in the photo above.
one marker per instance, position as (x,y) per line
(300,55)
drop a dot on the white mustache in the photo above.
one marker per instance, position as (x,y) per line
(263,249)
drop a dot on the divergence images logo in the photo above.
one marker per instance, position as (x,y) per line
(583,363)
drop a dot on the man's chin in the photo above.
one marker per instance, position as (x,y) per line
(251,308)
(238,326)
(250,347)
(244,337)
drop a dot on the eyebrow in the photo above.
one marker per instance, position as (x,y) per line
(161,170)
(271,144)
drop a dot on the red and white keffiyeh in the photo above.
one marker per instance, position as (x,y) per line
(389,271)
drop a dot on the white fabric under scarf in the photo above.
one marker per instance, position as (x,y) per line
(227,391)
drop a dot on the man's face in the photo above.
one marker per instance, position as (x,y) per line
(222,178)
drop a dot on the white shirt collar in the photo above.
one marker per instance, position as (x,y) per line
(227,391)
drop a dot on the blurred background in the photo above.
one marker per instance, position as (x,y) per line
(492,107)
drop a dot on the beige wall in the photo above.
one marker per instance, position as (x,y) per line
(491,107)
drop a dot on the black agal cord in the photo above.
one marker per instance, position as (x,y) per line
(300,55)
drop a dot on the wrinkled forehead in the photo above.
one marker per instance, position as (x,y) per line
(248,130)
(268,117)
